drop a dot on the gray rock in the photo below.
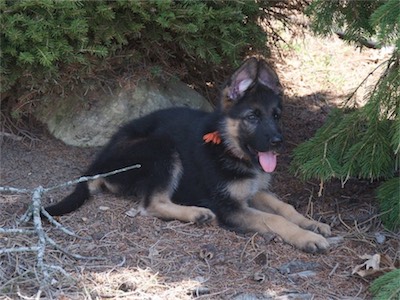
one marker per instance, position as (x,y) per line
(303,274)
(297,266)
(295,296)
(379,237)
(247,296)
(80,121)
(266,296)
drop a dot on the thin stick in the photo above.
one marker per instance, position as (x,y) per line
(19,249)
(59,226)
(16,231)
(8,189)
(87,178)
(245,246)
(333,270)
(39,229)
(34,212)
(10,136)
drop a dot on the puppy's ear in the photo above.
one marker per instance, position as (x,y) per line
(243,78)
(267,77)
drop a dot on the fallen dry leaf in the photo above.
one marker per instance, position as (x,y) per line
(372,265)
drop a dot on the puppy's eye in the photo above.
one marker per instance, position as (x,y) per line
(252,117)
(276,114)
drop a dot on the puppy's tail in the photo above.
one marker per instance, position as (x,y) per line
(72,202)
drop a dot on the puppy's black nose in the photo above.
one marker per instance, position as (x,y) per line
(276,140)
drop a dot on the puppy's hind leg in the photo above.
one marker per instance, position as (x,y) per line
(162,207)
(158,201)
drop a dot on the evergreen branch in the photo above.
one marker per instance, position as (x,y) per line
(386,286)
(364,80)
(361,40)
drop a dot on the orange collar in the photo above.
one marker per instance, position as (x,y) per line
(215,138)
(212,137)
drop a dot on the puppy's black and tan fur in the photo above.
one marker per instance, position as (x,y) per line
(198,166)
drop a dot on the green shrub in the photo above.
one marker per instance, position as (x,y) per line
(388,195)
(361,142)
(387,286)
(47,44)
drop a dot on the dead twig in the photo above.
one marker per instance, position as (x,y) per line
(10,136)
(251,240)
(333,270)
(360,40)
(35,212)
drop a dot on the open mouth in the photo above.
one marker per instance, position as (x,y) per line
(267,160)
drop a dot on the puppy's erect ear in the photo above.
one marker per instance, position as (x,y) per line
(242,79)
(267,77)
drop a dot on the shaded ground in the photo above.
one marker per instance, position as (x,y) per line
(145,258)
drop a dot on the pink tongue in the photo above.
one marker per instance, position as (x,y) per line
(267,161)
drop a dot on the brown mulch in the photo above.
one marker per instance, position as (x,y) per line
(146,258)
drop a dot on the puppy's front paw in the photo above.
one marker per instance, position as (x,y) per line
(202,215)
(311,242)
(314,243)
(318,227)
(321,228)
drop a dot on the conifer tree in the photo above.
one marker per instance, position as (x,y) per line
(51,46)
(362,142)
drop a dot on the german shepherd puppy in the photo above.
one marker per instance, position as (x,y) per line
(198,166)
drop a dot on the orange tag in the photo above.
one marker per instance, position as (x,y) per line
(212,137)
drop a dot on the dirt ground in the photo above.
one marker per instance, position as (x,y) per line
(138,257)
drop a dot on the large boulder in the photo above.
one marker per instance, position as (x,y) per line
(89,119)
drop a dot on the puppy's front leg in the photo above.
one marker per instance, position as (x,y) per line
(251,219)
(269,203)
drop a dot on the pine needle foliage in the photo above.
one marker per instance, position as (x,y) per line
(388,196)
(51,43)
(357,20)
(387,286)
(357,142)
(361,142)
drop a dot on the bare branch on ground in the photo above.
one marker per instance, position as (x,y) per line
(35,212)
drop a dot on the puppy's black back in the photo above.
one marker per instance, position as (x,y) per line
(156,142)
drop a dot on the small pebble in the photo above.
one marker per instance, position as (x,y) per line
(133,212)
(259,277)
(380,238)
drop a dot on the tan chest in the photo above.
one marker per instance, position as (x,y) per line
(245,189)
